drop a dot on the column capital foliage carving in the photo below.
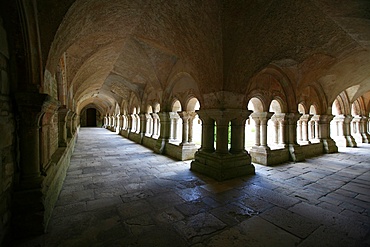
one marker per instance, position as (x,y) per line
(32,106)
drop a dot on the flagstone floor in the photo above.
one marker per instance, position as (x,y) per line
(118,193)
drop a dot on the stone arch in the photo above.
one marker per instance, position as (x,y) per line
(360,107)
(302,109)
(176,105)
(255,104)
(277,105)
(182,86)
(192,104)
(313,109)
(343,103)
(312,95)
(273,83)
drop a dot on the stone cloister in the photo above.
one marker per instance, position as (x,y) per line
(223,84)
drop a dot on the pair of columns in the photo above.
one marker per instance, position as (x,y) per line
(187,126)
(303,129)
(343,127)
(222,162)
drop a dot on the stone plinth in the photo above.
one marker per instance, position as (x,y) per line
(222,166)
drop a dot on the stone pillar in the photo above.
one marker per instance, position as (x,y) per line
(155,125)
(164,135)
(185,127)
(149,124)
(296,153)
(142,126)
(344,137)
(174,117)
(364,130)
(222,132)
(324,134)
(75,120)
(208,128)
(28,198)
(276,130)
(30,109)
(238,133)
(129,123)
(62,126)
(304,121)
(261,118)
(257,142)
(121,121)
(191,125)
(222,164)
(118,123)
(70,124)
(281,119)
(360,136)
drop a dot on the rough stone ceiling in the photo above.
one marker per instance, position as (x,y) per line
(116,48)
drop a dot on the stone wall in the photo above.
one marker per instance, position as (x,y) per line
(7,140)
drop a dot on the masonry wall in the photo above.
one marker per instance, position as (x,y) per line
(7,139)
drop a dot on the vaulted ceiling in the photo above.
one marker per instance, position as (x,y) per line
(117,48)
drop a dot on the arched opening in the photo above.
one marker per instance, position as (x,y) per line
(254,105)
(91,117)
(195,122)
(176,123)
(275,125)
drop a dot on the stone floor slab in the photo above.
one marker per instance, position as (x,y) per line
(119,193)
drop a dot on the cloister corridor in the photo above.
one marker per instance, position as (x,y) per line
(119,193)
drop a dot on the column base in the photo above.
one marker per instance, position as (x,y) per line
(182,151)
(345,141)
(222,167)
(268,157)
(329,146)
(160,145)
(366,137)
(296,153)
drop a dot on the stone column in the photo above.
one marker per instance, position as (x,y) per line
(222,164)
(208,128)
(324,134)
(142,126)
(70,124)
(296,152)
(174,119)
(185,127)
(364,130)
(191,124)
(359,135)
(261,119)
(304,120)
(62,126)
(164,135)
(281,119)
(315,128)
(344,138)
(148,124)
(121,121)
(222,132)
(155,125)
(30,109)
(129,123)
(276,129)
(238,133)
(257,142)
(118,123)
(75,124)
